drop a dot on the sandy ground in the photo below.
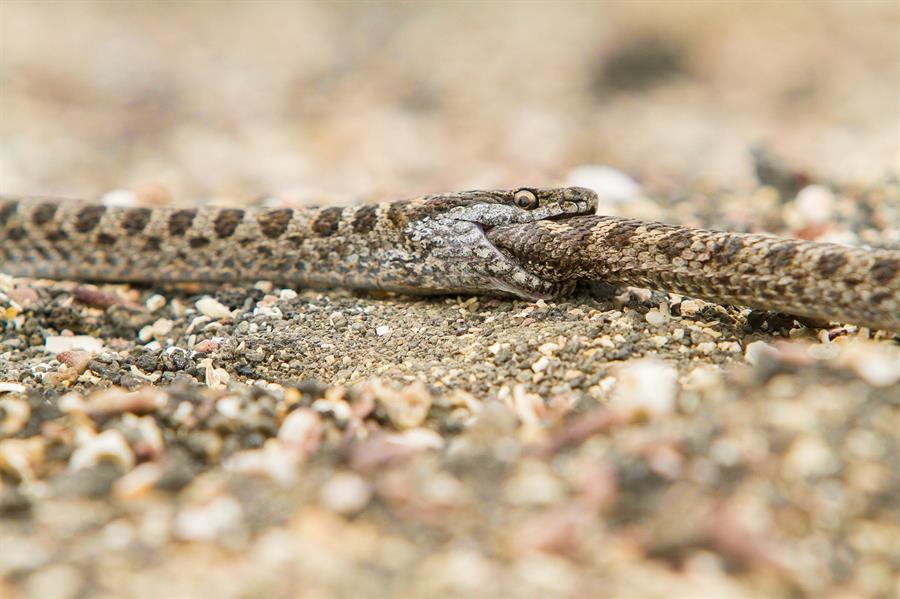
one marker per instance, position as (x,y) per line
(256,441)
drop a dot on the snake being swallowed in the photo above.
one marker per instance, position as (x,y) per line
(532,243)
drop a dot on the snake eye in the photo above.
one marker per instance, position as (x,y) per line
(525,199)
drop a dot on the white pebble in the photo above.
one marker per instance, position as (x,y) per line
(809,456)
(345,493)
(229,406)
(656,318)
(205,522)
(56,344)
(287,294)
(689,307)
(12,388)
(216,378)
(155,302)
(706,347)
(645,387)
(108,445)
(138,482)
(406,408)
(541,365)
(301,427)
(119,197)
(383,330)
(212,308)
(157,330)
(814,205)
(874,364)
(418,438)
(756,350)
(611,185)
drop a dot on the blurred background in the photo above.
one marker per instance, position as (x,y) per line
(232,100)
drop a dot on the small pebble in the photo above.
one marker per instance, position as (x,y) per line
(755,351)
(345,493)
(541,364)
(56,344)
(155,302)
(645,387)
(207,521)
(8,387)
(406,408)
(814,205)
(656,318)
(212,308)
(689,307)
(108,445)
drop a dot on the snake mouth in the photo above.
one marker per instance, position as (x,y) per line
(555,212)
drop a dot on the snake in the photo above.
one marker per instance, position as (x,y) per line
(530,242)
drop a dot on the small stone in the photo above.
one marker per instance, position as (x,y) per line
(212,308)
(754,352)
(23,295)
(548,348)
(216,378)
(275,460)
(345,493)
(809,456)
(873,363)
(541,364)
(814,205)
(645,387)
(119,197)
(116,401)
(729,346)
(157,330)
(108,445)
(706,347)
(60,343)
(138,482)
(406,408)
(383,330)
(207,521)
(206,346)
(533,484)
(656,318)
(418,439)
(229,406)
(302,428)
(689,307)
(287,294)
(56,581)
(76,360)
(155,302)
(8,387)
(14,414)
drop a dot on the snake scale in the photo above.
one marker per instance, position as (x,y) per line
(529,242)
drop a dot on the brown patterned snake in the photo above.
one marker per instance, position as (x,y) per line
(532,243)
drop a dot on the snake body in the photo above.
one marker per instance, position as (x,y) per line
(427,245)
(529,242)
(821,281)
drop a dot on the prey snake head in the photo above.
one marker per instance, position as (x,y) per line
(450,229)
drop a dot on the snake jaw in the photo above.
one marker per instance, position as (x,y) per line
(491,269)
(457,256)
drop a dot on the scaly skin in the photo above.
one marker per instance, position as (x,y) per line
(481,242)
(822,281)
(428,245)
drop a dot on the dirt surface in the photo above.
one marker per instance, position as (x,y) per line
(256,441)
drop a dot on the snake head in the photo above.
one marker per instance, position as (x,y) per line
(450,228)
(522,205)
